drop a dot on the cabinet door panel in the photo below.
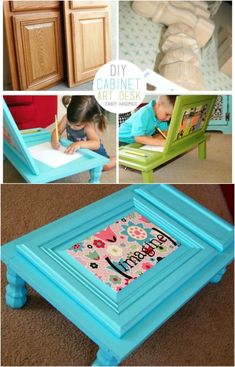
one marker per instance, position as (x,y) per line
(38,49)
(79,4)
(34,5)
(93,50)
(88,44)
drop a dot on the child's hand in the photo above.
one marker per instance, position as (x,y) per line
(55,144)
(158,140)
(71,149)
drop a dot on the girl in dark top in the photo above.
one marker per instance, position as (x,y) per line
(83,119)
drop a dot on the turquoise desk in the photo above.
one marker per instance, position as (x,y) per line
(120,275)
(16,150)
(221,119)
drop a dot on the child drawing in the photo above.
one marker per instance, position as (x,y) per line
(142,126)
(82,122)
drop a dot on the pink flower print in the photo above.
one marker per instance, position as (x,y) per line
(119,288)
(81,260)
(146,266)
(98,243)
(127,281)
(107,235)
(137,232)
(143,219)
(93,255)
(93,265)
(114,250)
(77,247)
(115,279)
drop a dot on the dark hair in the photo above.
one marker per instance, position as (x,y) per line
(171,99)
(84,109)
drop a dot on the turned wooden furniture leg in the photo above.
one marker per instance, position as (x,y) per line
(95,174)
(16,292)
(183,12)
(217,278)
(147,176)
(105,358)
(202,150)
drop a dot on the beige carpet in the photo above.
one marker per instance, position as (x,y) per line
(189,169)
(201,333)
(11,175)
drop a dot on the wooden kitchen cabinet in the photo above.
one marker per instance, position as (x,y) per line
(78,4)
(38,49)
(87,39)
(35,43)
(33,5)
(47,39)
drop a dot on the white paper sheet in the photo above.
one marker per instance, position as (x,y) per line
(54,158)
(155,148)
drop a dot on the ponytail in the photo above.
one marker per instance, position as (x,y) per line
(66,101)
(102,123)
(84,109)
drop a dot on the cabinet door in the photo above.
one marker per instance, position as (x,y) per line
(38,44)
(87,41)
(78,4)
(33,5)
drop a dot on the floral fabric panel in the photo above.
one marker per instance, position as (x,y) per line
(123,251)
(193,119)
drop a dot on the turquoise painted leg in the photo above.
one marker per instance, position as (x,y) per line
(105,358)
(202,150)
(147,176)
(218,276)
(95,174)
(16,292)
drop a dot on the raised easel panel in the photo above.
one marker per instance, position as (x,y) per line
(16,146)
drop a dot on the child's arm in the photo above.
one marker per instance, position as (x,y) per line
(93,141)
(151,140)
(61,128)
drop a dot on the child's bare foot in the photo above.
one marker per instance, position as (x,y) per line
(110,165)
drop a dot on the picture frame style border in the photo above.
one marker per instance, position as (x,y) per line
(21,149)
